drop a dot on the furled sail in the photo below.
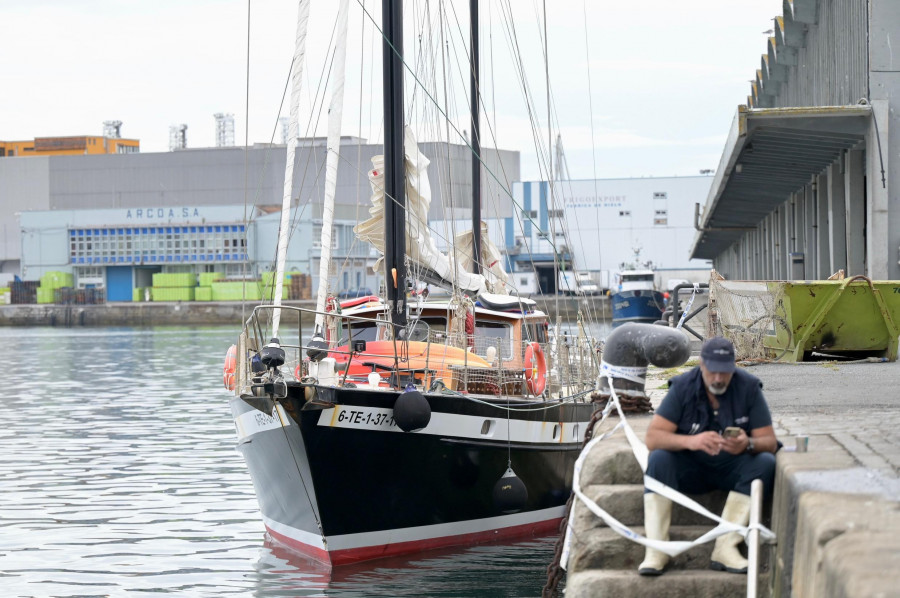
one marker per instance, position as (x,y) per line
(420,246)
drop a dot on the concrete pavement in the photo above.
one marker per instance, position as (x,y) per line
(836,509)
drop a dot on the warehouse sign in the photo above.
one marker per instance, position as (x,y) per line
(157,213)
(595,201)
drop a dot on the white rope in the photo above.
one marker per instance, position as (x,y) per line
(687,308)
(672,548)
(634,374)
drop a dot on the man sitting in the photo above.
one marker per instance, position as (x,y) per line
(713,430)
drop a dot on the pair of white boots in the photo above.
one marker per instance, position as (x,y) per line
(725,556)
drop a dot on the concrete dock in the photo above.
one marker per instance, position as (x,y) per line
(225,313)
(835,510)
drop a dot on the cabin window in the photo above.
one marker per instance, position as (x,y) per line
(494,334)
(536,332)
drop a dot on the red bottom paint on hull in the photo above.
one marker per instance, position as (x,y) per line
(349,556)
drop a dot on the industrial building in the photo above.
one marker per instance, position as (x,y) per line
(599,226)
(115,220)
(808,179)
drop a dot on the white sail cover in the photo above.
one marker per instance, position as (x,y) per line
(420,246)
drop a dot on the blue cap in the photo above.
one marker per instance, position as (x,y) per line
(718,355)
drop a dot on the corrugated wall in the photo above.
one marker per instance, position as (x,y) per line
(832,68)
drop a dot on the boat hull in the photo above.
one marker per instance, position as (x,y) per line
(644,305)
(345,484)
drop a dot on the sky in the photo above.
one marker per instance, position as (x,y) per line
(641,88)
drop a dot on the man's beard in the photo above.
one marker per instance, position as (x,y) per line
(718,389)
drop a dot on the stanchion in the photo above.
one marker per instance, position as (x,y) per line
(756,493)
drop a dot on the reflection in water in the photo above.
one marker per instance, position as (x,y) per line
(120,476)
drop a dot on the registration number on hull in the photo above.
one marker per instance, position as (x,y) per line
(371,418)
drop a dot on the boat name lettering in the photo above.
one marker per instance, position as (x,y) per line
(147,213)
(366,418)
(264,419)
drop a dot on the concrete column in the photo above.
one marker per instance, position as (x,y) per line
(877,213)
(837,216)
(809,241)
(855,210)
(823,263)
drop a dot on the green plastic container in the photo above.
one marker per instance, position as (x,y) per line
(57,280)
(174,279)
(236,291)
(203,294)
(207,278)
(45,294)
(856,315)
(173,293)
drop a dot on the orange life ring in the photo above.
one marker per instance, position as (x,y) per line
(230,367)
(535,369)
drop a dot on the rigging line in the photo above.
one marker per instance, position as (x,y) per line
(246,168)
(445,48)
(319,97)
(512,37)
(290,444)
(487,169)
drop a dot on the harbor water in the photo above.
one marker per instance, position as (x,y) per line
(120,477)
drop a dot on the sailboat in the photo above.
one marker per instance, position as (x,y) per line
(386,425)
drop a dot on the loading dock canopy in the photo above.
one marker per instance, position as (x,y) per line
(771,153)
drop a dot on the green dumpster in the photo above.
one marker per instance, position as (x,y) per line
(856,316)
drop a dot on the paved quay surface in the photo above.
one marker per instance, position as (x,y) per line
(836,508)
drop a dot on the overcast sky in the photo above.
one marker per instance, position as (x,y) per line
(665,76)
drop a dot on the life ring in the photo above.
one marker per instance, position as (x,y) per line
(535,369)
(230,367)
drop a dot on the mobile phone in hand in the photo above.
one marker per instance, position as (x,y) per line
(731,432)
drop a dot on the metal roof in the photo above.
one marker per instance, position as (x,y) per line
(771,153)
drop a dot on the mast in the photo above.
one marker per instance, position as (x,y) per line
(394,162)
(296,78)
(335,115)
(476,140)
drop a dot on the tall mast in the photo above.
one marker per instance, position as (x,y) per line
(394,161)
(296,79)
(335,114)
(476,140)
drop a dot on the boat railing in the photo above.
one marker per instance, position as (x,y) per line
(430,358)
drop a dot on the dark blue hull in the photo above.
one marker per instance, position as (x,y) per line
(637,306)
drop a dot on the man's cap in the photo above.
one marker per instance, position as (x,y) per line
(718,355)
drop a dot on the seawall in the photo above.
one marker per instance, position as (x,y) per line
(224,313)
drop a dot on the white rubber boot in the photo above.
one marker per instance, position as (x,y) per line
(726,556)
(657,518)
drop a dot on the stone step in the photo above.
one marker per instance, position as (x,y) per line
(603,548)
(625,502)
(672,584)
(611,462)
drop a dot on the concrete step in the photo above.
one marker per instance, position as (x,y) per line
(625,502)
(611,462)
(605,549)
(672,584)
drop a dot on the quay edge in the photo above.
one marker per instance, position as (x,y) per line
(222,313)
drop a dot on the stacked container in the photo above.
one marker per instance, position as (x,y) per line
(174,286)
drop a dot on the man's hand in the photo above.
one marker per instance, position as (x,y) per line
(736,444)
(708,442)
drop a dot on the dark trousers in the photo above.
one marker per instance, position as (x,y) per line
(695,472)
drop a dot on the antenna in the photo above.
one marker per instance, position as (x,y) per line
(112,129)
(177,137)
(224,129)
